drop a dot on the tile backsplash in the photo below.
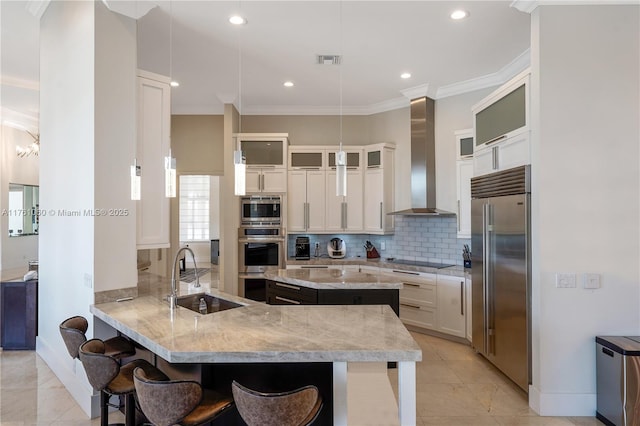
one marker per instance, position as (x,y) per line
(423,238)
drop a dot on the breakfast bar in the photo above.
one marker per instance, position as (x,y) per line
(256,333)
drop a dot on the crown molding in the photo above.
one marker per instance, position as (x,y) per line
(37,7)
(133,9)
(507,72)
(526,6)
(416,91)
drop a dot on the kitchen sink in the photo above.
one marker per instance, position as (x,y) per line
(214,304)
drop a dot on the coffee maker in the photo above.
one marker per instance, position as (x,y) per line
(303,248)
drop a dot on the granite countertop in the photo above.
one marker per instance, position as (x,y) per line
(333,279)
(386,263)
(257,332)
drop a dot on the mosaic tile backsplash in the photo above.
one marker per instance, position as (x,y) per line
(422,238)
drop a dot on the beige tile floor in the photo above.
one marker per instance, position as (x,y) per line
(455,386)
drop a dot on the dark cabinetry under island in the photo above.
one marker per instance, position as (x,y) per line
(331,287)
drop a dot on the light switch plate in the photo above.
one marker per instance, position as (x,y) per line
(565,280)
(591,281)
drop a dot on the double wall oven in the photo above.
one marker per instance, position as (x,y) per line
(261,243)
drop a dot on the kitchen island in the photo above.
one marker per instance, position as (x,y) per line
(331,287)
(255,333)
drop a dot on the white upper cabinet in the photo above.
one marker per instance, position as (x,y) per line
(306,202)
(501,127)
(345,213)
(266,159)
(379,189)
(464,172)
(153,143)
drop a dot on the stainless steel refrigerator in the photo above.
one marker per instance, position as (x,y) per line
(501,271)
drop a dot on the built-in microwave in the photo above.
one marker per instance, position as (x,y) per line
(260,210)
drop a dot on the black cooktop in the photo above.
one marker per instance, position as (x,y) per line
(419,263)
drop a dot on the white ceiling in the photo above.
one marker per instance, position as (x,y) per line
(380,40)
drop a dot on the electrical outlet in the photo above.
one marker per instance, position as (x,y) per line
(591,281)
(383,245)
(565,280)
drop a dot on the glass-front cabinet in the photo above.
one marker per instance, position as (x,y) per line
(266,159)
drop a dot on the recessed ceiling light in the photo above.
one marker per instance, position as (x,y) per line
(174,84)
(237,20)
(459,14)
(288,84)
(405,75)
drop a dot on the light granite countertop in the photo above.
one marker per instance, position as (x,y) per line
(257,332)
(385,263)
(334,279)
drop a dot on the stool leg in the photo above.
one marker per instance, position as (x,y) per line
(129,410)
(104,409)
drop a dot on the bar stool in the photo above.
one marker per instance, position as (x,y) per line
(294,408)
(107,376)
(181,402)
(73,334)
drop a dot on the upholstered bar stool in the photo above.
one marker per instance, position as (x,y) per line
(298,407)
(107,376)
(181,402)
(73,331)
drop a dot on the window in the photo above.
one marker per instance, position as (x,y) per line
(194,208)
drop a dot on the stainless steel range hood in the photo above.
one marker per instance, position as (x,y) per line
(423,161)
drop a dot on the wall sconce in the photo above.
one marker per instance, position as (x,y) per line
(240,172)
(170,176)
(135,180)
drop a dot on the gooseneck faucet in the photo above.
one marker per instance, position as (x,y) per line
(173,297)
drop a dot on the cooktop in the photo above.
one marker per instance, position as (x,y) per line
(419,263)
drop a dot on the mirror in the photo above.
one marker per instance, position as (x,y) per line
(24,203)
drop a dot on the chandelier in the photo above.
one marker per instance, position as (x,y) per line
(33,149)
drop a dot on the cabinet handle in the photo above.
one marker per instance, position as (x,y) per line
(314,267)
(410,306)
(461,297)
(458,215)
(496,158)
(381,215)
(262,184)
(405,272)
(496,139)
(289,286)
(306,215)
(411,285)
(284,299)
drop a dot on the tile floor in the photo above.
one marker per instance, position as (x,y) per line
(454,387)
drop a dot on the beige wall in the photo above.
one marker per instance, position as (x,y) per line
(311,129)
(197,143)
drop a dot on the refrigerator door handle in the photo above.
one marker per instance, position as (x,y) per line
(486,288)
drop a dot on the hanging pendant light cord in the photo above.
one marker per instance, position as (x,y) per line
(341,54)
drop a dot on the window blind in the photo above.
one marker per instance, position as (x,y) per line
(194,208)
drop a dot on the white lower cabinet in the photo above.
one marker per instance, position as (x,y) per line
(451,305)
(417,298)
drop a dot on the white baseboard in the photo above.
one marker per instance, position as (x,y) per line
(562,404)
(71,374)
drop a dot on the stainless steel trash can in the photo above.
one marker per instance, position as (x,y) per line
(618,380)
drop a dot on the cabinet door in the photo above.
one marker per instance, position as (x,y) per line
(514,152)
(333,207)
(465,171)
(154,127)
(373,200)
(354,201)
(274,180)
(483,161)
(297,199)
(451,295)
(315,200)
(253,180)
(264,151)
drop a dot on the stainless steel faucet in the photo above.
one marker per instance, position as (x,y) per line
(173,297)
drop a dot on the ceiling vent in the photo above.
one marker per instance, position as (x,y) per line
(328,59)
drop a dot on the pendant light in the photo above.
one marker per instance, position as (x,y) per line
(239,160)
(341,156)
(170,176)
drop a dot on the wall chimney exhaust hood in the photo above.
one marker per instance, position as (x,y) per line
(423,161)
